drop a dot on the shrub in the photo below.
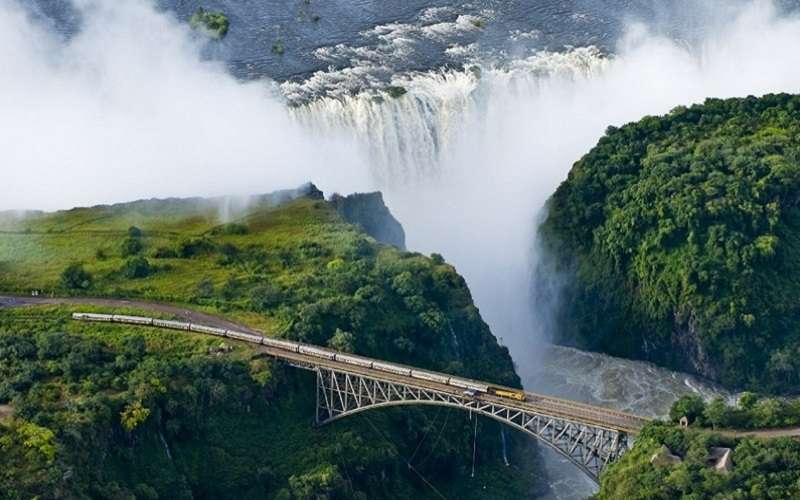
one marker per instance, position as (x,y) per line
(395,91)
(165,253)
(131,246)
(134,232)
(193,247)
(204,288)
(136,267)
(232,228)
(75,277)
(213,24)
(228,254)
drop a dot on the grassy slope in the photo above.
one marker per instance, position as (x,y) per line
(328,275)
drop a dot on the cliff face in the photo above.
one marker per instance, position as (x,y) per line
(370,212)
(679,237)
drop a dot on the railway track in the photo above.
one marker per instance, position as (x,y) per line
(313,357)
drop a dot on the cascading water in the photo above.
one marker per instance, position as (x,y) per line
(411,138)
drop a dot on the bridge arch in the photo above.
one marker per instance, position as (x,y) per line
(590,448)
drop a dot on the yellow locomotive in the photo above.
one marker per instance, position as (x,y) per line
(508,393)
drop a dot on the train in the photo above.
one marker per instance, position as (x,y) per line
(468,387)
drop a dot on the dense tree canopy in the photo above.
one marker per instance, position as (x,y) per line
(680,236)
(114,412)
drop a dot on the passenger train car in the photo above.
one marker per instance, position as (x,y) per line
(469,387)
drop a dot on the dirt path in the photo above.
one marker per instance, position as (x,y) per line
(186,314)
(763,433)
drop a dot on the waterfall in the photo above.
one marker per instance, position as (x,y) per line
(410,138)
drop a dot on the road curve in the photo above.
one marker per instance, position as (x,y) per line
(187,314)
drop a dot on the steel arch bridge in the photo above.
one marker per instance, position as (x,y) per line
(589,447)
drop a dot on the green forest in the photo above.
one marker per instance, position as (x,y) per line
(762,469)
(679,240)
(112,411)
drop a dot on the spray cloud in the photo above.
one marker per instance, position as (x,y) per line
(127,108)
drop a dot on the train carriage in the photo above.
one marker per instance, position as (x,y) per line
(132,320)
(207,329)
(468,384)
(354,360)
(173,325)
(246,337)
(287,345)
(431,377)
(106,318)
(316,351)
(391,368)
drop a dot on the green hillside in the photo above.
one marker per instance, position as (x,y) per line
(679,238)
(113,411)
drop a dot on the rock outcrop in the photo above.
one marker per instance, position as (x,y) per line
(664,456)
(369,211)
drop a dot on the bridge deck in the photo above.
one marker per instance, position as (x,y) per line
(578,412)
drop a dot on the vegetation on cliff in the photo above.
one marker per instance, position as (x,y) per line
(680,239)
(213,24)
(761,469)
(751,412)
(118,411)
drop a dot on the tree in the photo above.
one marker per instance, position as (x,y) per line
(342,341)
(716,413)
(748,400)
(134,232)
(322,483)
(690,406)
(75,277)
(265,297)
(133,415)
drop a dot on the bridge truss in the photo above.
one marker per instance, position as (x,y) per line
(341,393)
